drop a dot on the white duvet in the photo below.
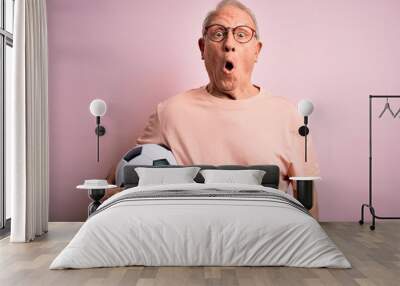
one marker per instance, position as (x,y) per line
(176,231)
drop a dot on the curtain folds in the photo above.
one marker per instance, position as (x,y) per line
(28,123)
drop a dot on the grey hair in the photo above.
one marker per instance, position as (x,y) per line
(234,3)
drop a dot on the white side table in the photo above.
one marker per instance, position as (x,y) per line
(96,191)
(305,186)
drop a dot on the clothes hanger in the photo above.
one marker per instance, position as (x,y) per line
(398,111)
(387,107)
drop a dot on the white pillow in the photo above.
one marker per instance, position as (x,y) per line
(249,176)
(162,176)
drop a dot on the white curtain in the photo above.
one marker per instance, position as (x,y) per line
(27,124)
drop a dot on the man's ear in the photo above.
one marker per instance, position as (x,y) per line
(201,47)
(258,50)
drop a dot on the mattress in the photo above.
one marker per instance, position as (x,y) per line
(201,225)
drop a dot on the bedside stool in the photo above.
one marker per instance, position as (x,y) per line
(305,186)
(96,191)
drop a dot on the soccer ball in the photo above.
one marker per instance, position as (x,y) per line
(146,154)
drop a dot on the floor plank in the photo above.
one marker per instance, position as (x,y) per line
(374,255)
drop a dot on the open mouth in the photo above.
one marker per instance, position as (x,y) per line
(229,65)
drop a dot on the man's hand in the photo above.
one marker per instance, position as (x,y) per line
(111,175)
(111,180)
(111,192)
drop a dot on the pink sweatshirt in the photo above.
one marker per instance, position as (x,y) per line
(200,128)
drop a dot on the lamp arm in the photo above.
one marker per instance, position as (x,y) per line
(98,136)
(305,137)
(305,147)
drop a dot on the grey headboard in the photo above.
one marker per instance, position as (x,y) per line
(270,179)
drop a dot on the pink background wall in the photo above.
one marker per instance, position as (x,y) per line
(134,54)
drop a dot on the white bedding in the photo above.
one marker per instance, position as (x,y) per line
(181,231)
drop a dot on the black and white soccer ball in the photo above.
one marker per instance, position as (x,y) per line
(146,154)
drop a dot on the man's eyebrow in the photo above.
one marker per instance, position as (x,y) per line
(242,24)
(215,23)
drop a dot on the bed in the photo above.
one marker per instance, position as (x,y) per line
(201,224)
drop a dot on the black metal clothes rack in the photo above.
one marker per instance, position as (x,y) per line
(370,205)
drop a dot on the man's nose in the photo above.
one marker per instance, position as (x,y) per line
(229,45)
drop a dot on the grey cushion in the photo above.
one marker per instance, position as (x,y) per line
(248,177)
(270,179)
(162,176)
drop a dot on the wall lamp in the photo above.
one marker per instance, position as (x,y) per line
(98,108)
(305,108)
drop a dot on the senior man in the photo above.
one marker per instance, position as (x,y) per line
(231,120)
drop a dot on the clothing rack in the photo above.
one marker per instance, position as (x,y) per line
(370,205)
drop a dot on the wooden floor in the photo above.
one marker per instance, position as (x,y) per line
(374,255)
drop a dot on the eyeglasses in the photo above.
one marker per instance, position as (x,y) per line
(217,33)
